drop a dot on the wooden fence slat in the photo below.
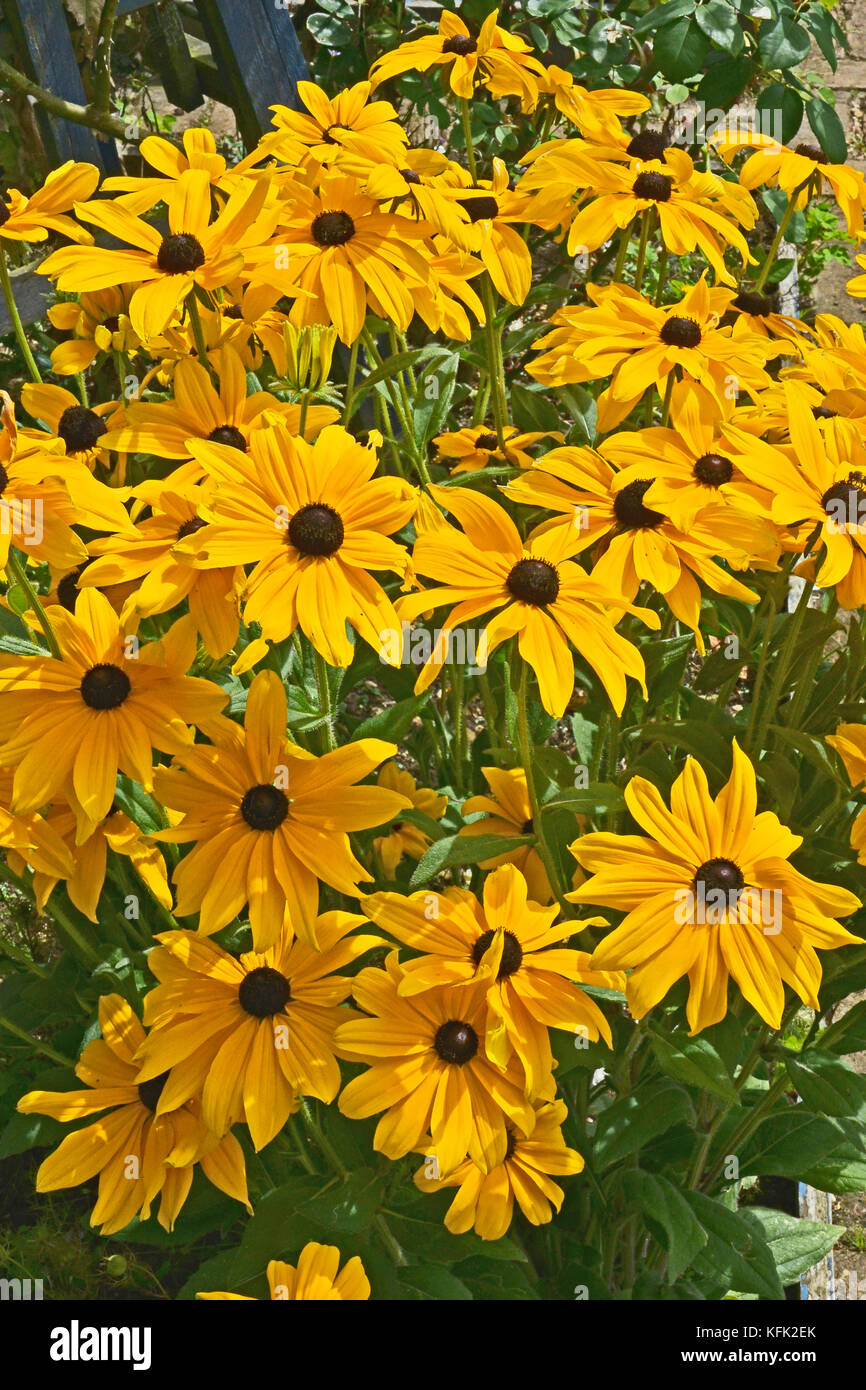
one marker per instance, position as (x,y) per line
(257,55)
(171,55)
(40,31)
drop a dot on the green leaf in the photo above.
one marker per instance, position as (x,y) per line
(632,1122)
(392,365)
(680,49)
(827,1085)
(530,410)
(656,18)
(828,130)
(593,800)
(794,1244)
(454,850)
(720,24)
(781,99)
(736,1256)
(433,396)
(394,722)
(848,1033)
(722,83)
(330,31)
(821,25)
(431,1243)
(664,1205)
(435,1282)
(784,1144)
(665,659)
(695,1062)
(581,406)
(782,43)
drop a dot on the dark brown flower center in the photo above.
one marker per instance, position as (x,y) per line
(717,874)
(533,581)
(823,412)
(510,1145)
(4,480)
(528,827)
(487,442)
(848,497)
(461,44)
(455,1042)
(264,992)
(629,509)
(751,303)
(512,952)
(811,152)
(647,144)
(680,332)
(80,428)
(713,470)
(328,137)
(233,311)
(651,185)
(481,208)
(333,228)
(264,807)
(316,530)
(409,176)
(228,434)
(67,589)
(190,527)
(105,686)
(149,1092)
(180,254)
(112,323)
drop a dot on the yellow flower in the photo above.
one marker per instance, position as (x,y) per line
(708,893)
(138,195)
(269,820)
(508,812)
(195,252)
(511,947)
(403,837)
(98,322)
(496,59)
(476,446)
(331,127)
(114,700)
(31,219)
(485,1201)
(165,1148)
(315,1279)
(249,1034)
(548,602)
(800,170)
(314,522)
(426,1068)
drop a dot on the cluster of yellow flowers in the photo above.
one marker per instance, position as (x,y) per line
(203,510)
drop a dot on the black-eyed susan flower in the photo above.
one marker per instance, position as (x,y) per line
(625,336)
(33,218)
(138,1154)
(80,427)
(415,183)
(314,523)
(493,208)
(330,127)
(224,413)
(98,322)
(512,946)
(199,151)
(849,741)
(507,811)
(820,484)
(402,836)
(249,1034)
(494,58)
(196,251)
(476,446)
(596,113)
(114,700)
(269,820)
(31,839)
(696,210)
(485,1201)
(547,601)
(708,892)
(84,882)
(144,559)
(597,503)
(314,1279)
(801,170)
(336,248)
(427,1069)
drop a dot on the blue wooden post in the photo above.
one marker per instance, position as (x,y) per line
(258,56)
(40,30)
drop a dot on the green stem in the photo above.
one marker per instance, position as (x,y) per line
(198,334)
(777,239)
(782,667)
(662,274)
(669,391)
(102,57)
(641,250)
(19,571)
(749,1125)
(459,716)
(467,136)
(350,382)
(15,317)
(624,239)
(305,405)
(324,692)
(37,1046)
(495,364)
(525,745)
